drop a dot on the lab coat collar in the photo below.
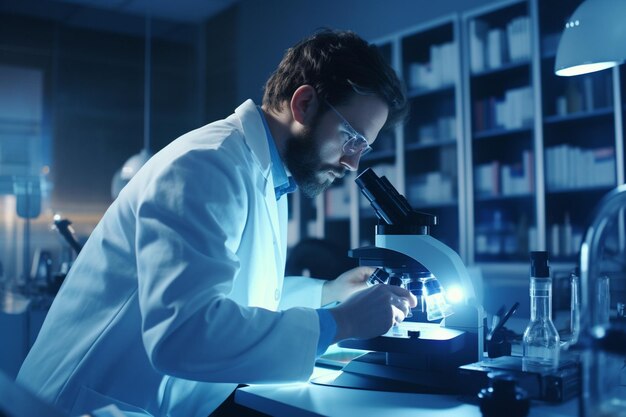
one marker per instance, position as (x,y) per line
(283,182)
(256,138)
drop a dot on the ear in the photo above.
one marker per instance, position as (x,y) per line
(304,104)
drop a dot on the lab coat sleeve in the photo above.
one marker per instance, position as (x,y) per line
(189,221)
(301,292)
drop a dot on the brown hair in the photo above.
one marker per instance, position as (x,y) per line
(337,64)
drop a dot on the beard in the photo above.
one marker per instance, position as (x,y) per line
(302,157)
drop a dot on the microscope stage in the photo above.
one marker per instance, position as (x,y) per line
(432,339)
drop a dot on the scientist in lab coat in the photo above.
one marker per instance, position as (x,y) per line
(178,294)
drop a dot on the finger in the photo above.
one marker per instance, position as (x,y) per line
(364,272)
(406,294)
(400,304)
(407,306)
(398,314)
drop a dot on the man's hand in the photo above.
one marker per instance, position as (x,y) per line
(372,312)
(346,284)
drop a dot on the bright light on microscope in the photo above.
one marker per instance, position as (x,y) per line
(454,294)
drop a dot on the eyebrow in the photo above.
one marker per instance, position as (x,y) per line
(345,122)
(349,126)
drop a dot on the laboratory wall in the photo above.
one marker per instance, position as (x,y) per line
(264,39)
(90,116)
(71,113)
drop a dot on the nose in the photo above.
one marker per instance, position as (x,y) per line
(351,163)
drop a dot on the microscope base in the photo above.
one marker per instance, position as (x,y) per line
(372,372)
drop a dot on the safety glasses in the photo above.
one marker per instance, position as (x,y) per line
(355,142)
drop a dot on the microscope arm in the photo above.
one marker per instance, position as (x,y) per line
(444,263)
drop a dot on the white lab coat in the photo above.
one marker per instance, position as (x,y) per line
(174,298)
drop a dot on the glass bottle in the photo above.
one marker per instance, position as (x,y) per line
(541,341)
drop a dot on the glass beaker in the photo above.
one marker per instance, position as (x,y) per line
(541,342)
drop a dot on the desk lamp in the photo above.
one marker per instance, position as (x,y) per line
(594,38)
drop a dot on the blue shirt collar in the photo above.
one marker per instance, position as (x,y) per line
(283,183)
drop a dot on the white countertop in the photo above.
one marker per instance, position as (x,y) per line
(308,399)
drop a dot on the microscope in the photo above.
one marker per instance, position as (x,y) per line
(414,356)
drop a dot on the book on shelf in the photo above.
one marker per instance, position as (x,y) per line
(584,94)
(496,48)
(518,178)
(565,239)
(337,203)
(487,179)
(448,161)
(498,179)
(528,159)
(430,188)
(442,129)
(493,47)
(439,71)
(477,40)
(570,167)
(499,234)
(518,37)
(512,111)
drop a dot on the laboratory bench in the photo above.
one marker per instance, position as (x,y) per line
(309,399)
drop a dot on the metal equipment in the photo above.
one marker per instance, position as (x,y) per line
(414,356)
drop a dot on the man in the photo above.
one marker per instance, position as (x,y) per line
(175,297)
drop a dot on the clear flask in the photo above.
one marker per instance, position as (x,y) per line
(541,343)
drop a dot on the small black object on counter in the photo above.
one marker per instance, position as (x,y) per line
(503,397)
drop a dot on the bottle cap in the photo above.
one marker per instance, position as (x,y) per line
(539,264)
(503,397)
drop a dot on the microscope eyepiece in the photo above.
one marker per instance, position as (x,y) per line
(391,207)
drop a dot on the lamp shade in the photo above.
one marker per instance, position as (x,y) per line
(128,170)
(594,38)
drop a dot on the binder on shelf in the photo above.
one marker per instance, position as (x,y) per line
(442,129)
(439,71)
(496,48)
(513,111)
(338,202)
(431,188)
(518,38)
(477,34)
(571,167)
(496,179)
(487,179)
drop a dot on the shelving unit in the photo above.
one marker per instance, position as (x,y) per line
(386,159)
(510,157)
(431,68)
(500,136)
(579,141)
